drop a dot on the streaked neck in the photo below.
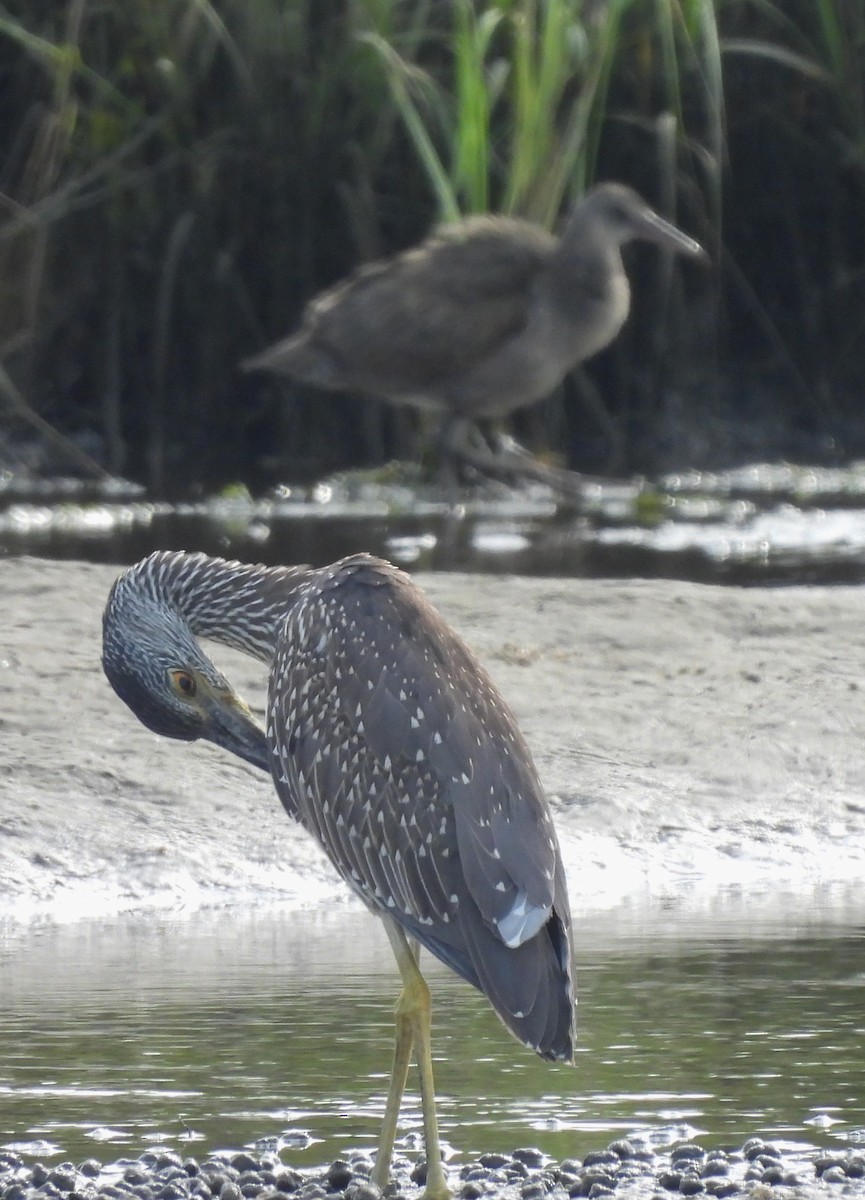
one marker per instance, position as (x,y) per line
(238,604)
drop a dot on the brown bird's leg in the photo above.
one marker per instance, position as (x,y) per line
(460,442)
(510,462)
(521,463)
(412,1029)
(448,440)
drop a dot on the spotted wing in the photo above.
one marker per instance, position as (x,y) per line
(393,747)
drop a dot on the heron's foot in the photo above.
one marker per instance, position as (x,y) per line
(436,1184)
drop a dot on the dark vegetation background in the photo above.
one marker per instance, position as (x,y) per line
(177,177)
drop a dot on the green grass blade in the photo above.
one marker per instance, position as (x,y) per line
(397,73)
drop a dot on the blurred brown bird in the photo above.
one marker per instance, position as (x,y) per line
(486,315)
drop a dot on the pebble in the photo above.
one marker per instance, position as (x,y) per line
(494,1161)
(362,1189)
(530,1156)
(687,1152)
(622,1167)
(593,1177)
(338,1175)
(720,1188)
(63,1177)
(288,1181)
(601,1158)
(244,1162)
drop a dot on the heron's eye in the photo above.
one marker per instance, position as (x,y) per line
(183,683)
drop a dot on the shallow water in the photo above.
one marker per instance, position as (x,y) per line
(218,1028)
(763,523)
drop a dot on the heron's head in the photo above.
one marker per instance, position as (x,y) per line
(157,668)
(620,215)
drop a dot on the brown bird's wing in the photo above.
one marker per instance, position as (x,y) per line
(393,747)
(397,327)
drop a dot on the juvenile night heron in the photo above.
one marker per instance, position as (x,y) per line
(388,741)
(485,316)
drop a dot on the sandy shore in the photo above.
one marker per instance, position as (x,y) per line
(692,739)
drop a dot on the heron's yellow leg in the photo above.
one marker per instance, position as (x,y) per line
(398,1076)
(412,1029)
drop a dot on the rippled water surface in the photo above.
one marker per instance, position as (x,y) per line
(216,1029)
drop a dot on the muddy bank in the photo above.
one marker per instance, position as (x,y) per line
(692,738)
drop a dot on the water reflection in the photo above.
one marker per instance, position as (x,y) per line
(218,1029)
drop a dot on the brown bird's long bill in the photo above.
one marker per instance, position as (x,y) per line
(669,237)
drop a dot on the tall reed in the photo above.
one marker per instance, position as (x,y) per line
(513,120)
